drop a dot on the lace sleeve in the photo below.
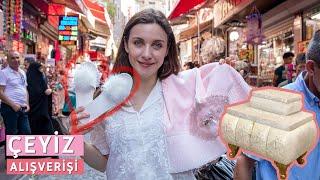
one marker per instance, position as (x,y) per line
(217,87)
(205,116)
(98,139)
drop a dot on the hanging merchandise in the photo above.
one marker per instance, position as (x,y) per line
(12,15)
(17,18)
(254,34)
(7,4)
(211,48)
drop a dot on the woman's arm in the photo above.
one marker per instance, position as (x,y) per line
(94,158)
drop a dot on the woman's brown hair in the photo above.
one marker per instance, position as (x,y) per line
(171,64)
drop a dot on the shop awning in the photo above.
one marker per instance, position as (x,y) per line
(96,10)
(192,31)
(40,5)
(101,23)
(184,6)
(72,4)
(54,8)
(54,11)
(95,28)
(101,29)
(43,5)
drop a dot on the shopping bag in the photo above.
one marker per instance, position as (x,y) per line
(222,170)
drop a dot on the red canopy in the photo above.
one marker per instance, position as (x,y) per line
(43,5)
(184,6)
(72,4)
(54,8)
(96,10)
(54,11)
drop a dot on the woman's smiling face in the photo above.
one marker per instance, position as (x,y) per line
(147,48)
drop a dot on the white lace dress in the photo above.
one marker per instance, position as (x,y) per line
(136,142)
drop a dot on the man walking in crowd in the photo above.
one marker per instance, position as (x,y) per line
(14,97)
(4,63)
(308,83)
(280,74)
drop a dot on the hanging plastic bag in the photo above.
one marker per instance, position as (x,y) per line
(254,33)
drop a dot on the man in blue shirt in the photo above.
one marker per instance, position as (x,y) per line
(308,83)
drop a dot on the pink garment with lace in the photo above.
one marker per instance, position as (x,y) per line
(195,100)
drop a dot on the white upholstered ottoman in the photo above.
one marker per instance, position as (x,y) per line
(271,124)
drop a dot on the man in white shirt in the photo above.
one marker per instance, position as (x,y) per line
(14,97)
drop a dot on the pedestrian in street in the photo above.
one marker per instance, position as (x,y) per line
(169,127)
(27,62)
(59,94)
(307,83)
(281,73)
(300,67)
(14,97)
(39,92)
(4,63)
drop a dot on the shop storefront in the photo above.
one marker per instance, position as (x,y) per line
(287,32)
(44,45)
(279,39)
(240,49)
(310,24)
(212,47)
(185,51)
(29,33)
(237,45)
(195,40)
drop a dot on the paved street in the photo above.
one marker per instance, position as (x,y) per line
(3,174)
(90,174)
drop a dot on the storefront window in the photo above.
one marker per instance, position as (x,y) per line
(270,56)
(235,41)
(311,23)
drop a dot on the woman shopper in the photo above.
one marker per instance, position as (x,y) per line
(170,126)
(39,116)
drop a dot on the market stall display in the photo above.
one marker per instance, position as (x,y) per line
(211,48)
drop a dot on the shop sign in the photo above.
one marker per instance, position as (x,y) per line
(68,30)
(224,9)
(99,41)
(205,14)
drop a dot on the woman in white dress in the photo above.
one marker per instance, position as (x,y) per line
(170,125)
